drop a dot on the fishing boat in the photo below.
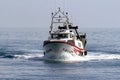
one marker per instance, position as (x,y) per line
(64,40)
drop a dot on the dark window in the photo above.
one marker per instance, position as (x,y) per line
(54,36)
(79,44)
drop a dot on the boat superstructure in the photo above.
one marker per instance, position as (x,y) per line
(64,40)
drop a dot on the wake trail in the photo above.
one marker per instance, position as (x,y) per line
(102,56)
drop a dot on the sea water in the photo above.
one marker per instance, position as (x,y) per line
(21,52)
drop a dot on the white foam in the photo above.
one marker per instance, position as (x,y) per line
(91,56)
(28,56)
(31,51)
(101,56)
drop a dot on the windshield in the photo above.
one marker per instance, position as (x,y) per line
(58,36)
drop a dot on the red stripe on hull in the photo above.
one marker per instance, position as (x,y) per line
(80,49)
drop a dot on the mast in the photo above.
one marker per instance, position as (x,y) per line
(59,17)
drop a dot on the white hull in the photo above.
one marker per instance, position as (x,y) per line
(60,50)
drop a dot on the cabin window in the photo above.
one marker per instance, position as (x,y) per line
(54,36)
(79,44)
(58,36)
(63,35)
(71,36)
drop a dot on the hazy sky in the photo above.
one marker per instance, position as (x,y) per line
(37,13)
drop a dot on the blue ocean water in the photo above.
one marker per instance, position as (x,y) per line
(21,56)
